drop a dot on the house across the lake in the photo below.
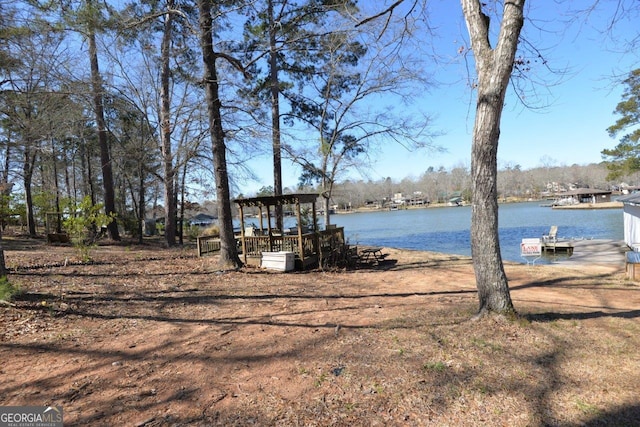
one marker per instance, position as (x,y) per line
(202,220)
(585,195)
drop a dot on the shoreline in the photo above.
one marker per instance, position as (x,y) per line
(603,205)
(586,206)
(607,253)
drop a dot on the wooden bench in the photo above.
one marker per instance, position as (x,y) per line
(208,244)
(632,259)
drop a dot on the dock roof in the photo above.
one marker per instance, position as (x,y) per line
(585,191)
(285,199)
(630,199)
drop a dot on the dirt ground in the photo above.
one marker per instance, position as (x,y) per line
(151,337)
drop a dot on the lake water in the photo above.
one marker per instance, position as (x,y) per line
(447,229)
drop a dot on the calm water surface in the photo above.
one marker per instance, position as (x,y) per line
(447,229)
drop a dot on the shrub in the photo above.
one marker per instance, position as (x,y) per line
(7,289)
(211,230)
(84,226)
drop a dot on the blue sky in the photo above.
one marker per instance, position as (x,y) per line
(572,109)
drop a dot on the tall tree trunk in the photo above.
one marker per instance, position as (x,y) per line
(183,180)
(69,181)
(141,205)
(327,188)
(493,66)
(326,202)
(3,265)
(326,199)
(5,186)
(7,161)
(170,215)
(87,172)
(27,179)
(105,157)
(176,193)
(54,166)
(228,251)
(275,116)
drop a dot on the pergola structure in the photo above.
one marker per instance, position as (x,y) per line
(309,245)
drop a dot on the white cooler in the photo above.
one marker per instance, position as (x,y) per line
(279,261)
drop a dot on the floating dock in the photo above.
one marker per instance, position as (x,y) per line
(597,252)
(560,246)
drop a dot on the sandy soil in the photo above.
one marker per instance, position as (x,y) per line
(146,336)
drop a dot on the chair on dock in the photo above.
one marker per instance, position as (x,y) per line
(551,242)
(552,237)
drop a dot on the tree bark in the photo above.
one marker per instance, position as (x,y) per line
(493,67)
(56,183)
(275,116)
(183,184)
(3,265)
(327,189)
(27,179)
(165,123)
(105,157)
(229,258)
(142,202)
(89,186)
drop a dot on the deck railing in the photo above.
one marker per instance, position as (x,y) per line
(208,244)
(313,244)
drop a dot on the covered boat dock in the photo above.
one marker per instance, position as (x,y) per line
(311,246)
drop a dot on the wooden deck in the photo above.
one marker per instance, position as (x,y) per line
(310,251)
(316,248)
(562,246)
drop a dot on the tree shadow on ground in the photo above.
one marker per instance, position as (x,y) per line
(551,316)
(139,398)
(627,415)
(562,282)
(124,305)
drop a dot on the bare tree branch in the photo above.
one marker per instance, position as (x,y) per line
(388,11)
(234,62)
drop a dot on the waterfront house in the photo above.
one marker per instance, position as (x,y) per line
(586,195)
(631,218)
(202,220)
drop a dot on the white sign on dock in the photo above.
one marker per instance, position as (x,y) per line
(531,249)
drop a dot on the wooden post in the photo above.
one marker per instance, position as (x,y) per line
(261,221)
(269,229)
(244,245)
(316,234)
(300,242)
(315,218)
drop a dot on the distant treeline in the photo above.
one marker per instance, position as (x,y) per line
(440,185)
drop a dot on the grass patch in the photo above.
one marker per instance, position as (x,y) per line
(320,380)
(587,408)
(482,343)
(7,289)
(434,366)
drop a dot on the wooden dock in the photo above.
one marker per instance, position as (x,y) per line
(560,246)
(597,252)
